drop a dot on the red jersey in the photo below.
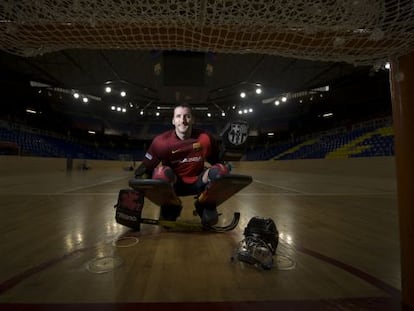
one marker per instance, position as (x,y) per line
(186,157)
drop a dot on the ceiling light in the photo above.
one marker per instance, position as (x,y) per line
(157,114)
(123,109)
(123,93)
(142,112)
(223,114)
(277,102)
(113,108)
(250,110)
(209,114)
(108,89)
(118,108)
(85,99)
(284,99)
(76,95)
(258,90)
(242,94)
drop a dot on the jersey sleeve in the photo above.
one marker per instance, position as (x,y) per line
(151,158)
(214,156)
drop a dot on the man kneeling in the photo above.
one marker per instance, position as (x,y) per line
(182,153)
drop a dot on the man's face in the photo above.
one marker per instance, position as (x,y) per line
(183,121)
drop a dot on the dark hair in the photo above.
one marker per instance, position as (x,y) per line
(184,106)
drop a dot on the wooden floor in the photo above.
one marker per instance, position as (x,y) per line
(337,221)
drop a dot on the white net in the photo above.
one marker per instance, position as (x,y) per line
(355,31)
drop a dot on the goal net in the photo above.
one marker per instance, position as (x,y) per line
(354,31)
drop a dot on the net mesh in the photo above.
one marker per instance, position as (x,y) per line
(354,31)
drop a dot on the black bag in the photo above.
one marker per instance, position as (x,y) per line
(129,208)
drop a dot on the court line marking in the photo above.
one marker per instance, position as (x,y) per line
(295,192)
(359,273)
(365,276)
(72,191)
(271,194)
(60,194)
(267,194)
(316,194)
(280,187)
(95,184)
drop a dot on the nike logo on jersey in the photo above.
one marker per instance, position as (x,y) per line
(197,146)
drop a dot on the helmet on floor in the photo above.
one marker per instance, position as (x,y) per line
(259,244)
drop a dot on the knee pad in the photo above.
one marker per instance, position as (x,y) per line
(216,171)
(164,173)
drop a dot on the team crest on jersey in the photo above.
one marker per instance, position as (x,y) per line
(148,156)
(197,146)
(238,133)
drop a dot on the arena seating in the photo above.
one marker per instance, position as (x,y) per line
(370,140)
(367,140)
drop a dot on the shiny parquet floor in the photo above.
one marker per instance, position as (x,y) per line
(61,248)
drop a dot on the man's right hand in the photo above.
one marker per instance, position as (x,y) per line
(142,173)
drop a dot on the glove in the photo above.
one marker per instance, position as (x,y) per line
(142,172)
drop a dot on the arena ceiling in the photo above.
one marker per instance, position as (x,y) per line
(200,52)
(160,79)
